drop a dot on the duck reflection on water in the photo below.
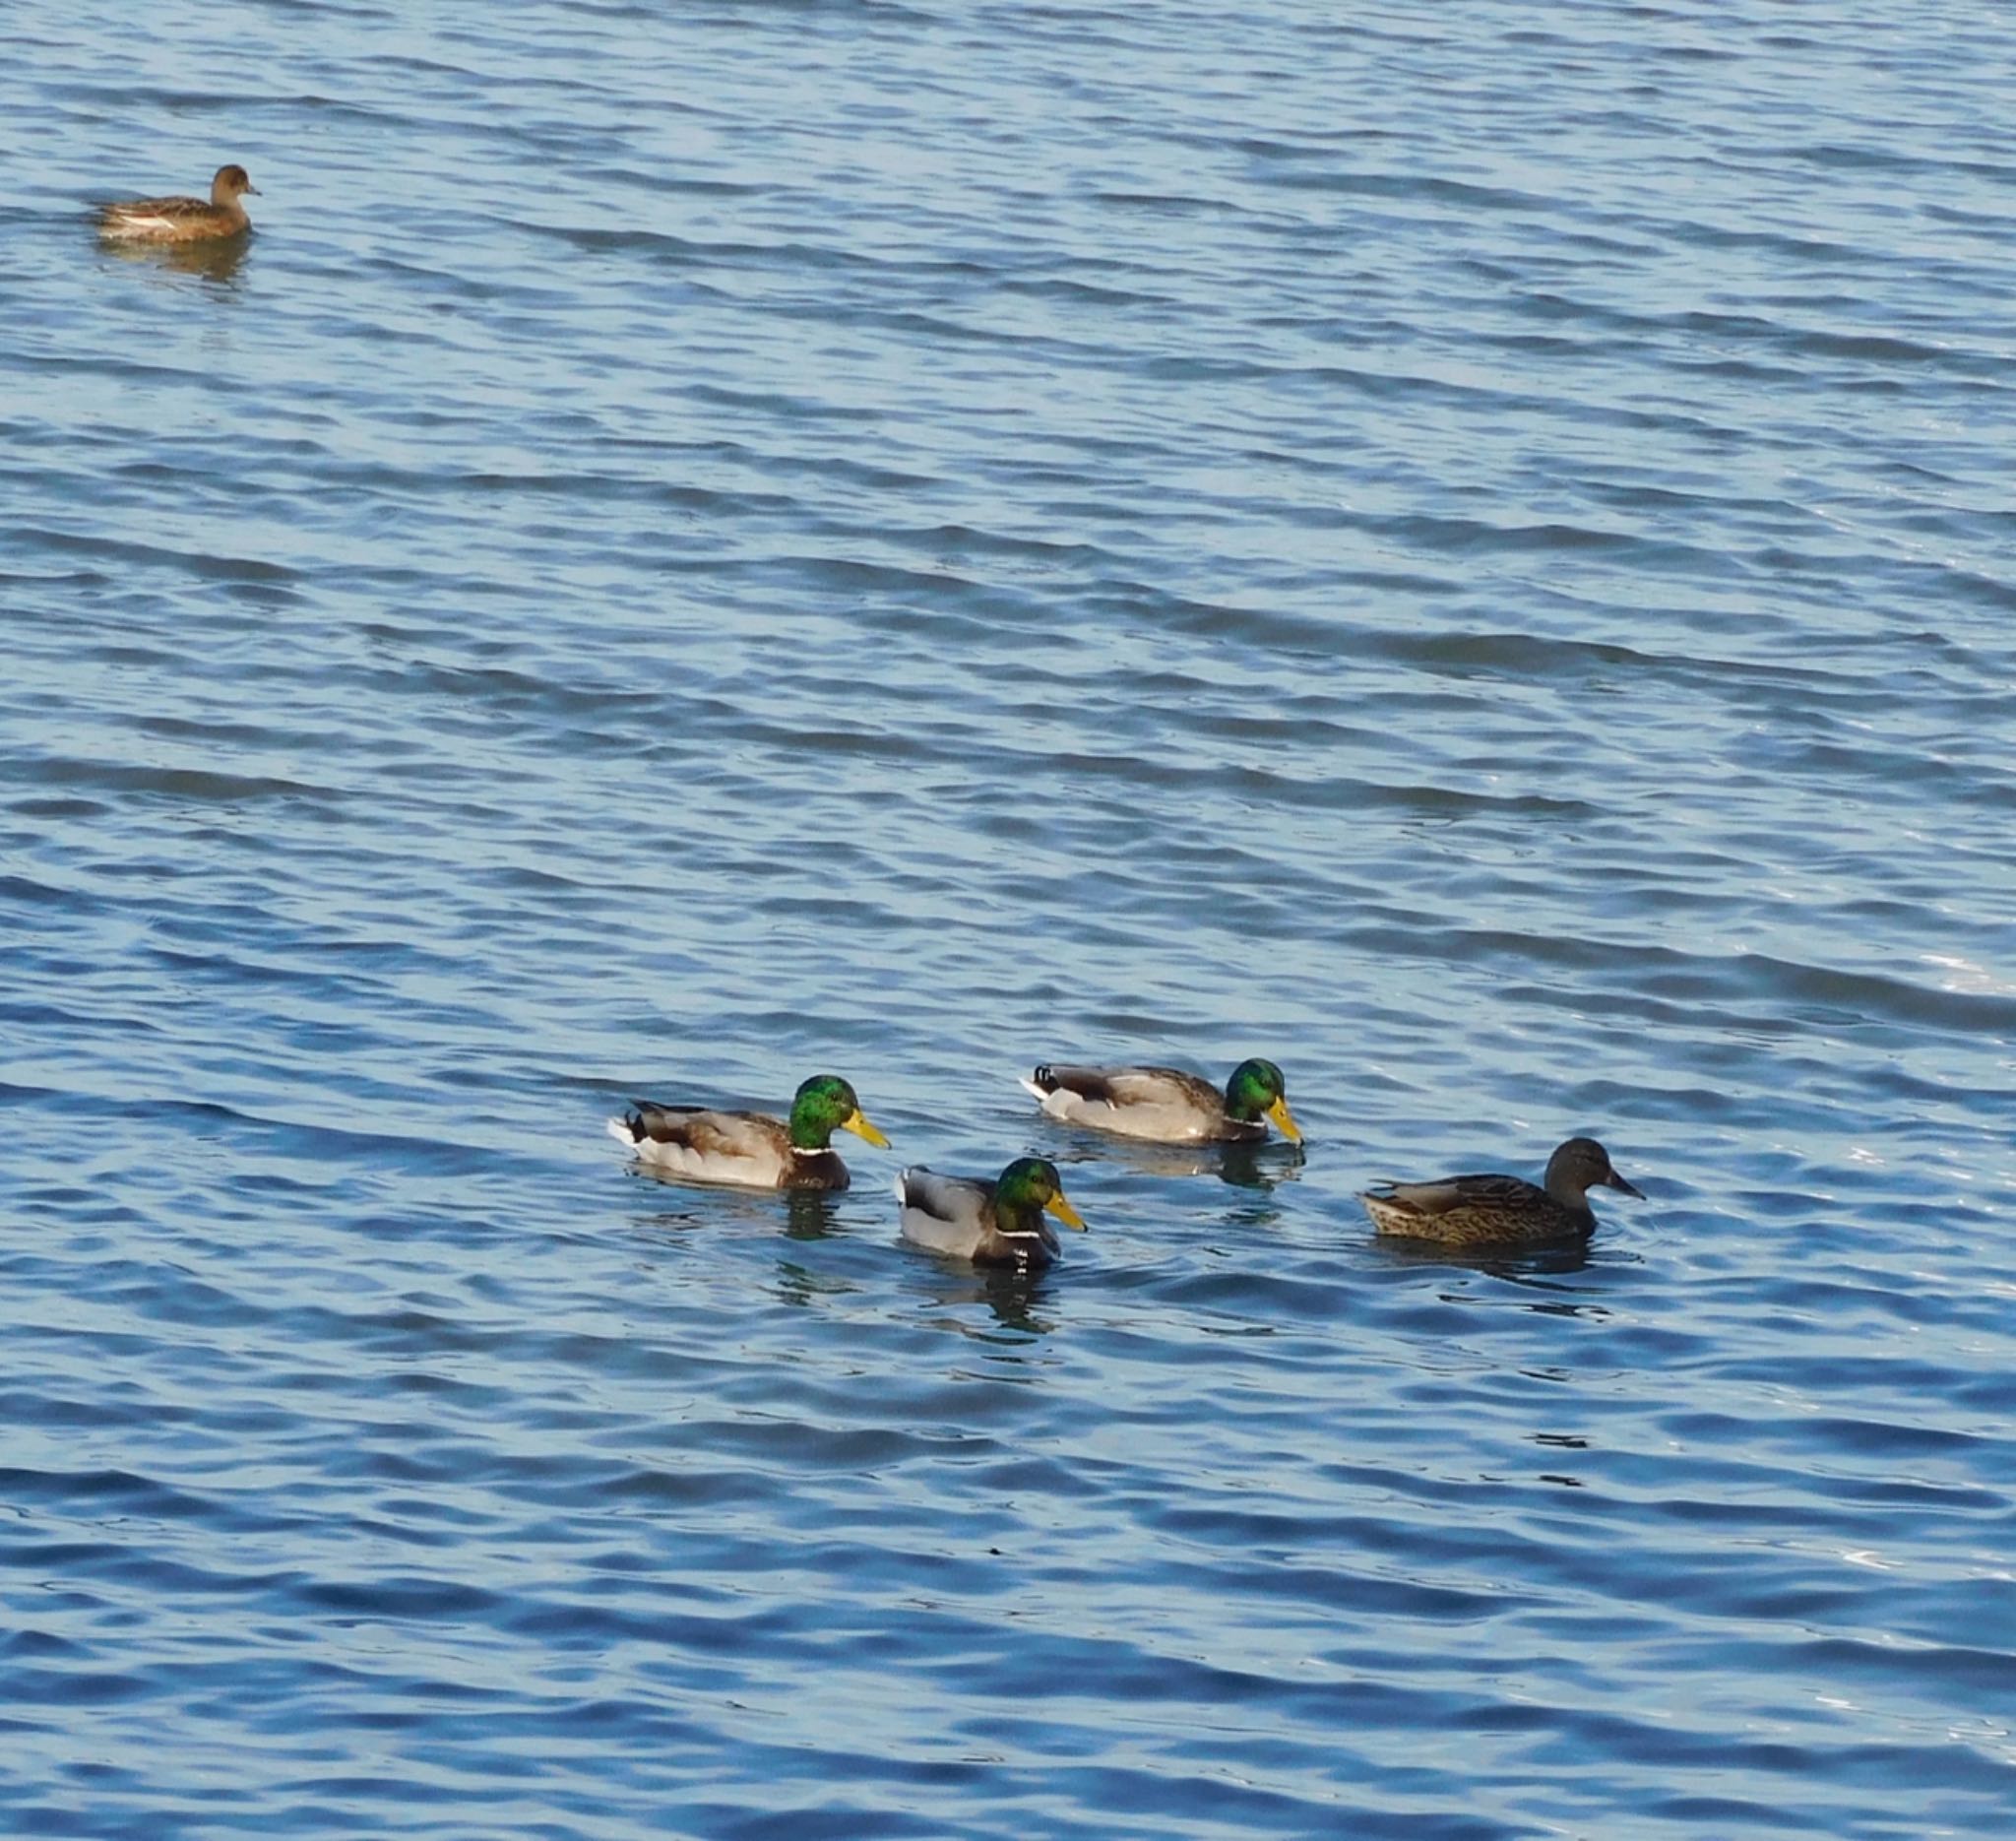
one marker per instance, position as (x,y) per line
(217,261)
(1015,1298)
(1256,1165)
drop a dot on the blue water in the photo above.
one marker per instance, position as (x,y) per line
(1463,547)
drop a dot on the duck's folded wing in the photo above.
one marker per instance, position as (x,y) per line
(165,213)
(1128,1086)
(1447,1194)
(1165,1086)
(708,1133)
(945,1214)
(958,1201)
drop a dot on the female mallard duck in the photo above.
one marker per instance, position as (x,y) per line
(1166,1104)
(993,1224)
(751,1148)
(183,219)
(1501,1211)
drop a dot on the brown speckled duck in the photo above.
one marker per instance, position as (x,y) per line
(1501,1211)
(183,219)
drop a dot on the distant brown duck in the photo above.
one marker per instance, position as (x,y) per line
(1501,1210)
(183,219)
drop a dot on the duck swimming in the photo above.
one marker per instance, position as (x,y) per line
(1166,1104)
(993,1224)
(1501,1210)
(183,219)
(750,1150)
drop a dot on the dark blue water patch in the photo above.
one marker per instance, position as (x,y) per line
(197,564)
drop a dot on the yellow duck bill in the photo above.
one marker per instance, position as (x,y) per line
(1064,1212)
(858,1124)
(1285,1121)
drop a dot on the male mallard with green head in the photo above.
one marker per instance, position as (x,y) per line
(183,219)
(1166,1104)
(752,1150)
(993,1224)
(1501,1210)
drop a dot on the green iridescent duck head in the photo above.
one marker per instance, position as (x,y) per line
(1257,1090)
(826,1104)
(1031,1186)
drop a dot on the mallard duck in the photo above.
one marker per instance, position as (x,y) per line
(751,1148)
(1501,1211)
(183,219)
(1166,1104)
(993,1224)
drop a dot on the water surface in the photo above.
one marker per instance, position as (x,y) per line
(1465,548)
